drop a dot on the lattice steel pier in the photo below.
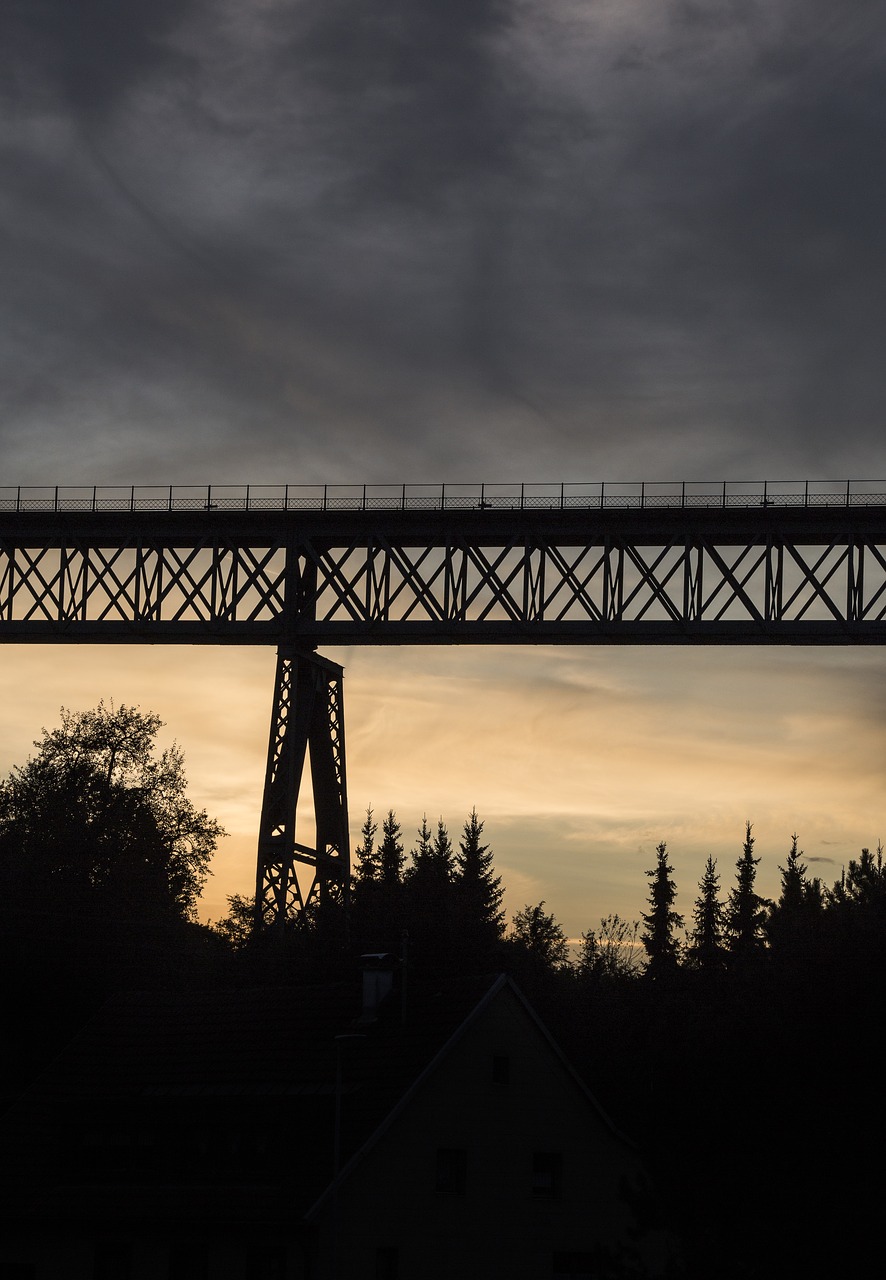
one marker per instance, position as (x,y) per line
(308,719)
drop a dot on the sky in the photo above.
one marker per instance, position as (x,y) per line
(414,241)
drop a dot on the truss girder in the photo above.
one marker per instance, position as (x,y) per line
(307,724)
(760,576)
(694,591)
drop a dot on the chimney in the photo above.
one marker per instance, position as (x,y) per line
(378,980)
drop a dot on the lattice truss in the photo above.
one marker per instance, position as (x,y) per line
(216,583)
(550,585)
(307,720)
(363,590)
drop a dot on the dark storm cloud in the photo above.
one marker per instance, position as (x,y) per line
(89,51)
(424,238)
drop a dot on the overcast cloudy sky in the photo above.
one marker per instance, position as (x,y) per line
(428,240)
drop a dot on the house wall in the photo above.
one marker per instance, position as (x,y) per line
(499,1226)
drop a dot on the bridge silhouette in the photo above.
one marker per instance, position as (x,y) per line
(301,566)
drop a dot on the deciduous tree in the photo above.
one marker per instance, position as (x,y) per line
(611,952)
(99,818)
(541,938)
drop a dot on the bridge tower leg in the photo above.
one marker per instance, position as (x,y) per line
(307,721)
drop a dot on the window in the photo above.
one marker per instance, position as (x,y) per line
(501,1069)
(387,1262)
(547,1174)
(452,1170)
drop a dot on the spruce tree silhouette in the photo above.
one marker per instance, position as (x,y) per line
(706,949)
(430,905)
(746,911)
(660,941)
(478,899)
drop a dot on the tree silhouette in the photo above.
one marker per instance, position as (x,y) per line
(800,903)
(478,896)
(863,882)
(661,944)
(377,900)
(391,857)
(99,818)
(706,948)
(541,939)
(746,910)
(610,952)
(366,867)
(430,907)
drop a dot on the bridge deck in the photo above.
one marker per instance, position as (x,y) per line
(428,565)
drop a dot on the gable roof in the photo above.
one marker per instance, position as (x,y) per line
(501,983)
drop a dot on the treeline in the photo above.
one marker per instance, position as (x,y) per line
(723,933)
(439,908)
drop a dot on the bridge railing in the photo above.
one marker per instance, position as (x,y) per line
(627,495)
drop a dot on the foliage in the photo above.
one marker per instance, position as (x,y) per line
(800,904)
(391,858)
(98,818)
(610,953)
(661,921)
(430,901)
(478,894)
(432,859)
(366,854)
(238,926)
(706,949)
(863,882)
(746,911)
(539,935)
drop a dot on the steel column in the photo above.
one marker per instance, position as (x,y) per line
(307,723)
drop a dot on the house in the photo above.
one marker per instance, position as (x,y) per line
(306,1134)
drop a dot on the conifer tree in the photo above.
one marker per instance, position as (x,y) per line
(377,906)
(391,858)
(706,949)
(429,900)
(800,902)
(746,910)
(481,919)
(442,851)
(432,867)
(366,855)
(422,852)
(661,921)
(793,879)
(863,882)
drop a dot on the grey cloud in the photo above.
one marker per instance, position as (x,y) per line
(449,236)
(89,51)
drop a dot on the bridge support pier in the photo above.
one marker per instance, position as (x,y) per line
(307,724)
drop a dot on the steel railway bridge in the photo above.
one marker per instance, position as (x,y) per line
(302,566)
